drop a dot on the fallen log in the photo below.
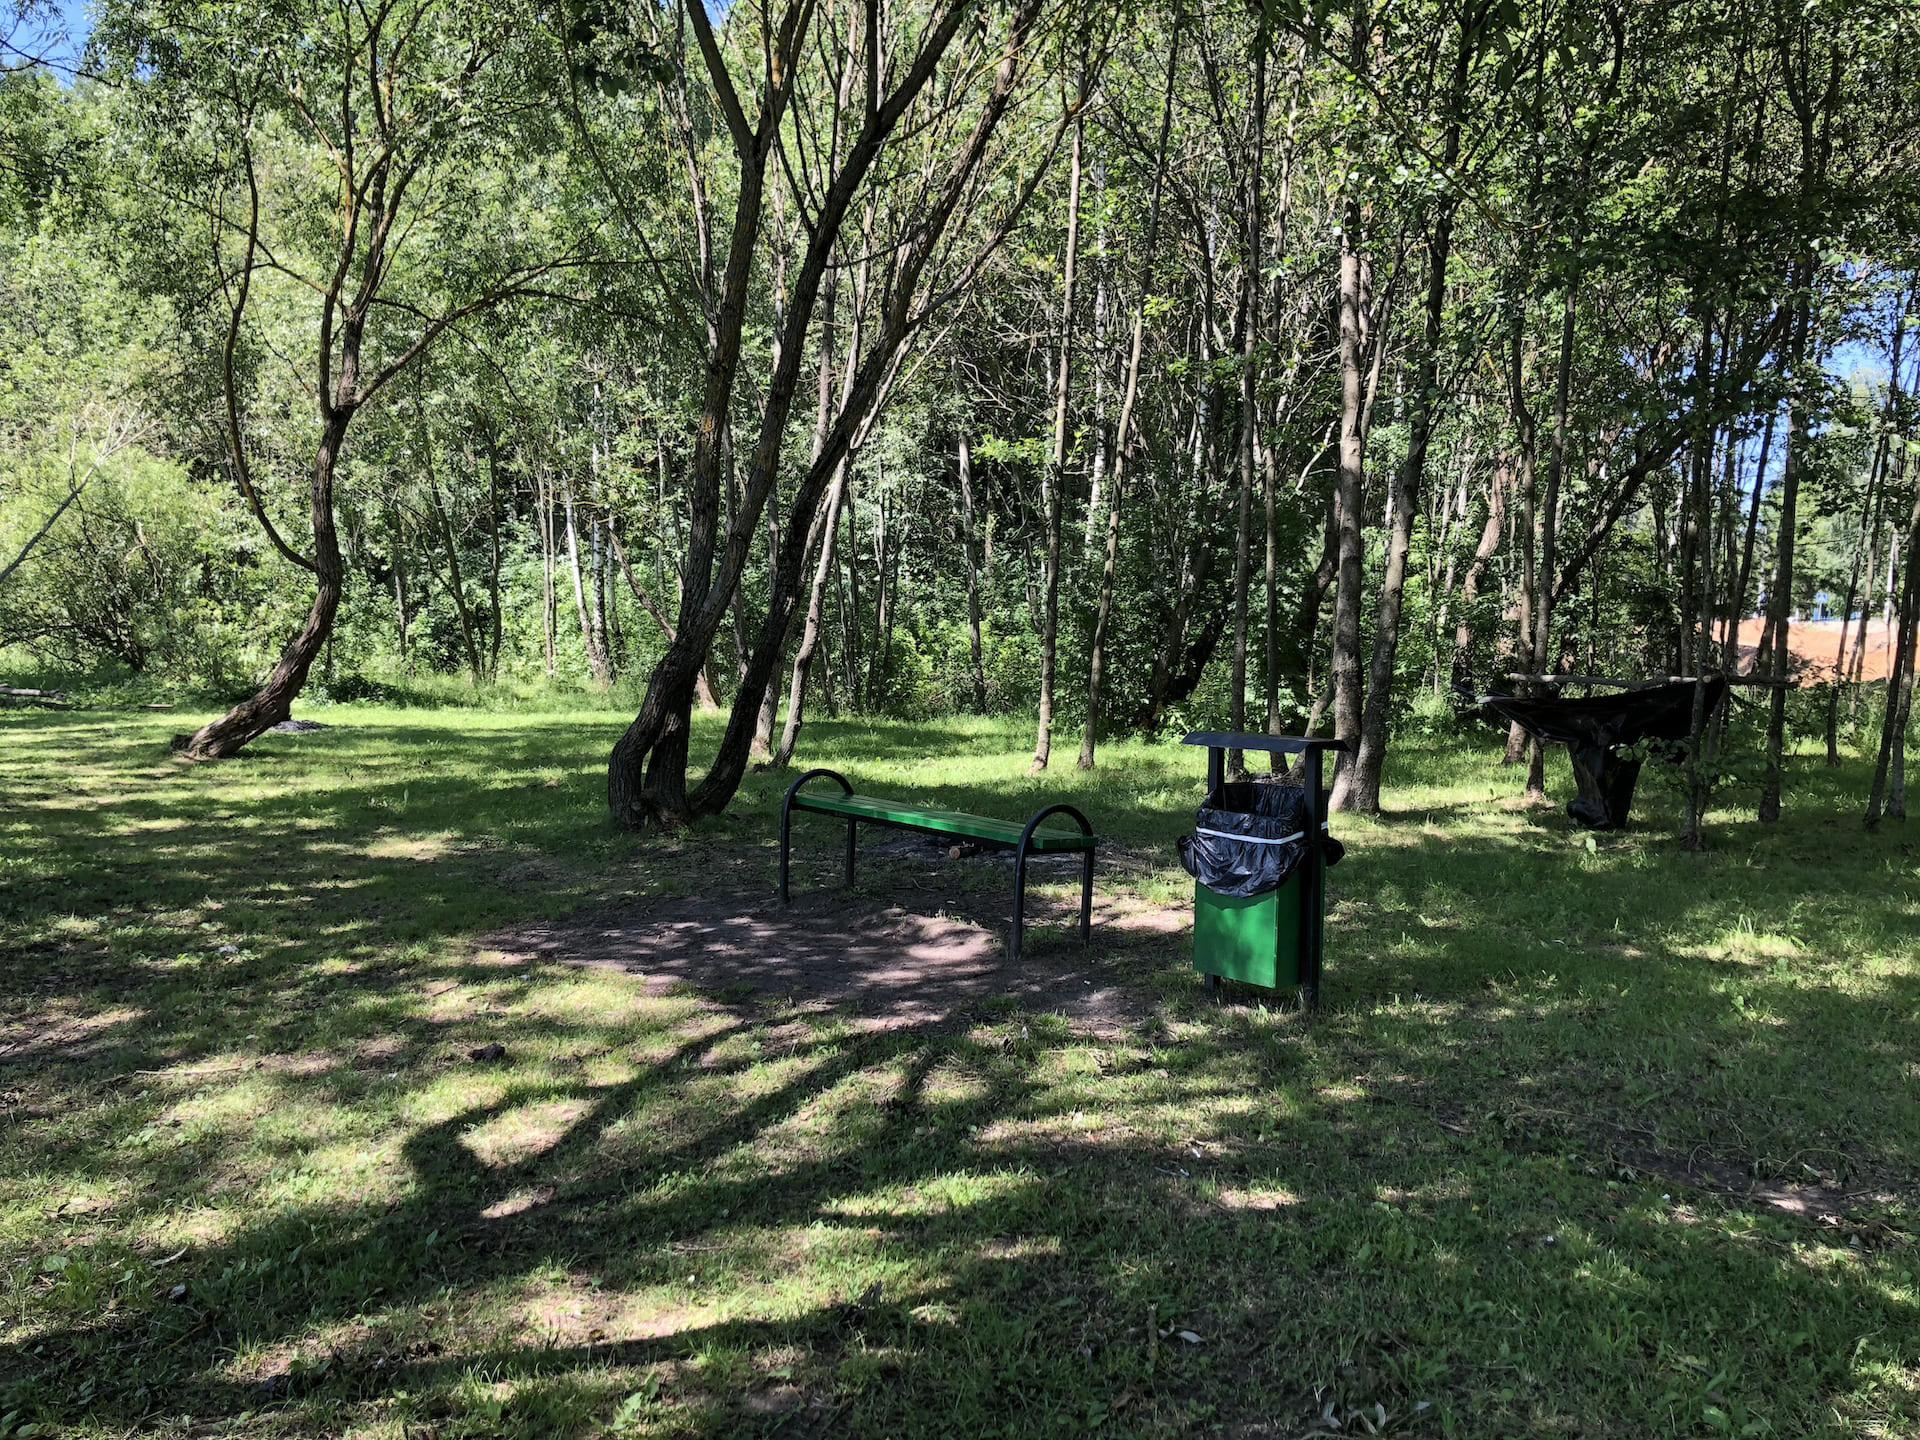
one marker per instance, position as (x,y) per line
(45,699)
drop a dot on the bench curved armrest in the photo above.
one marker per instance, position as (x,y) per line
(786,825)
(1086,826)
(1020,874)
(834,775)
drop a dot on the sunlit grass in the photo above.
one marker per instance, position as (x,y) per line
(1531,1171)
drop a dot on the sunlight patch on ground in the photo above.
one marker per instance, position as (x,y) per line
(578,1311)
(524,1132)
(937,1195)
(1258,1198)
(201,1227)
(391,845)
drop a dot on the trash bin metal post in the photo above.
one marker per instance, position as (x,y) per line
(1310,936)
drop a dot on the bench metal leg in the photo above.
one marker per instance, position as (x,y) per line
(786,851)
(1019,901)
(851,830)
(1086,899)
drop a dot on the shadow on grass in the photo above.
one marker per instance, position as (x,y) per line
(719,1218)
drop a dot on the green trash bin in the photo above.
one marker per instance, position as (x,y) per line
(1254,939)
(1272,938)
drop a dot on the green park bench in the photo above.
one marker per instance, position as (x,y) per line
(1023,840)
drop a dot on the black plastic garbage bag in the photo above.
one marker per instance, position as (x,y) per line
(1249,836)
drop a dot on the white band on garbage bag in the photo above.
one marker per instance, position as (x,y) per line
(1253,839)
(1249,839)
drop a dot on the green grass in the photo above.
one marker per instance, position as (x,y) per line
(251,1184)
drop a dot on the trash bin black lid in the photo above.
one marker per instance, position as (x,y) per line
(1263,743)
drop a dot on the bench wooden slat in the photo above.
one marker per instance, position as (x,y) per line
(940,822)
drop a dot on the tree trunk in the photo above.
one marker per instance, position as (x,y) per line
(456,586)
(549,598)
(1351,574)
(1698,634)
(884,514)
(1815,147)
(1520,744)
(1249,401)
(1403,501)
(496,616)
(402,617)
(1483,554)
(852,633)
(596,657)
(828,526)
(1779,601)
(1744,582)
(605,619)
(969,544)
(1867,606)
(1054,477)
(904,514)
(1888,794)
(1124,430)
(1869,518)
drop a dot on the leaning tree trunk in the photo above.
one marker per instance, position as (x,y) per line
(816,615)
(273,702)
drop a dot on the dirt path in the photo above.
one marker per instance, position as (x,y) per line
(887,966)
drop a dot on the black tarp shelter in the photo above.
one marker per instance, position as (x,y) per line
(1596,729)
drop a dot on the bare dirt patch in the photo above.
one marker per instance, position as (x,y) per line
(60,1033)
(1820,1204)
(886,966)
